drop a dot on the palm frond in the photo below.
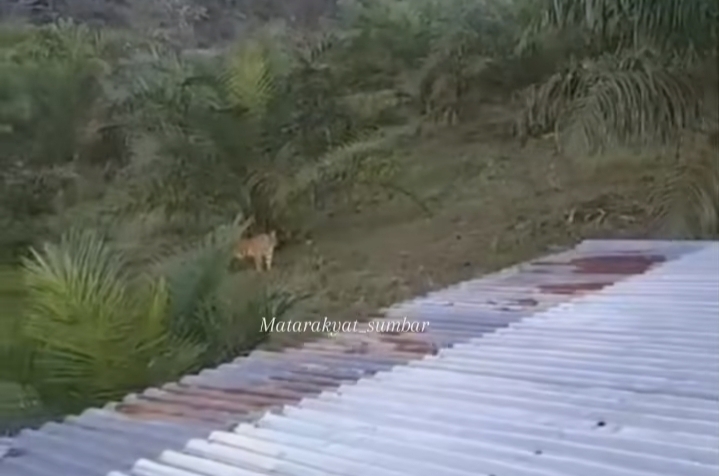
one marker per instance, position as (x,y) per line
(20,407)
(635,106)
(265,304)
(671,24)
(248,79)
(633,99)
(469,37)
(16,351)
(94,333)
(206,311)
(339,164)
(687,204)
(368,106)
(195,279)
(82,267)
(56,78)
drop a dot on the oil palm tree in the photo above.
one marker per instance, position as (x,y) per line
(640,73)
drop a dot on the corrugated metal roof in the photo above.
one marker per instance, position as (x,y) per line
(616,382)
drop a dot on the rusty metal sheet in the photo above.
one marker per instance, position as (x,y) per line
(622,382)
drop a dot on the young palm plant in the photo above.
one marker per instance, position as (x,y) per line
(91,331)
(88,328)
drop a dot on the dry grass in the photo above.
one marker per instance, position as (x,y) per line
(492,205)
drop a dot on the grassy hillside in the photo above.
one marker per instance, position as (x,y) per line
(396,146)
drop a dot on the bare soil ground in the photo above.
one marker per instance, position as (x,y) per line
(493,204)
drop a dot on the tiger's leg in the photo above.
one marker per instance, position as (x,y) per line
(268,259)
(258,262)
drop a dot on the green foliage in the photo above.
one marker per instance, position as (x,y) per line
(232,131)
(93,333)
(270,127)
(636,74)
(609,25)
(631,80)
(387,36)
(50,84)
(54,114)
(86,329)
(632,99)
(206,310)
(249,80)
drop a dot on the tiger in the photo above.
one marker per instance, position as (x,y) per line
(260,248)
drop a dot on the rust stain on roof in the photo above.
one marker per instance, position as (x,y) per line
(236,400)
(621,264)
(180,401)
(572,288)
(616,264)
(147,409)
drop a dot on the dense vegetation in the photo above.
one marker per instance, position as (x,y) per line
(105,129)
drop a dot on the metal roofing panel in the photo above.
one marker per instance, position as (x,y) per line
(581,389)
(142,426)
